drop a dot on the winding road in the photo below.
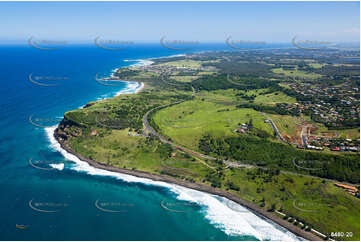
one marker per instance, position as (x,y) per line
(235,164)
(274,127)
(149,130)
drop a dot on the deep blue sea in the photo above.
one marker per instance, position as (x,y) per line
(47,201)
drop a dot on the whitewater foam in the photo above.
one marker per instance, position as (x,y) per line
(131,87)
(59,167)
(226,215)
(140,62)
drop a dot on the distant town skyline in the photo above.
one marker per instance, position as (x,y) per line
(270,22)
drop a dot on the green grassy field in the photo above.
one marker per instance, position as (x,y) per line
(225,97)
(285,123)
(274,98)
(183,63)
(319,203)
(144,74)
(186,123)
(206,72)
(119,149)
(187,63)
(296,73)
(316,65)
(284,85)
(316,202)
(189,79)
(255,91)
(184,78)
(264,98)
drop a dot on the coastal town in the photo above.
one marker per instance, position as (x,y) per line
(180,120)
(335,106)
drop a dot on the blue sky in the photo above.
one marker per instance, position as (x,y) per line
(197,21)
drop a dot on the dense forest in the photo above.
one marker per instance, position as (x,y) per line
(224,81)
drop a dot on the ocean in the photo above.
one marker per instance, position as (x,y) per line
(48,194)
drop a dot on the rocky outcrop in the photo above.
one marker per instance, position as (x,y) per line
(62,132)
(89,104)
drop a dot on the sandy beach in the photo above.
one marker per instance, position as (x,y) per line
(139,89)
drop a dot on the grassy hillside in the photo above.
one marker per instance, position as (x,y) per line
(212,113)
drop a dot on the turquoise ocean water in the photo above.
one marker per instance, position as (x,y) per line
(66,199)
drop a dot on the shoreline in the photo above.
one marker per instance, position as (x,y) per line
(199,187)
(61,139)
(139,89)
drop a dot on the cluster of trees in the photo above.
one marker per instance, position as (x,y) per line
(279,108)
(164,150)
(249,98)
(340,72)
(262,152)
(123,112)
(345,124)
(168,59)
(245,69)
(212,82)
(223,81)
(230,185)
(214,178)
(125,72)
(255,131)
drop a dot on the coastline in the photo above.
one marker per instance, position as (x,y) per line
(199,187)
(139,89)
(265,215)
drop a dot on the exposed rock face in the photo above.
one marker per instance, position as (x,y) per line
(89,104)
(62,132)
(94,132)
